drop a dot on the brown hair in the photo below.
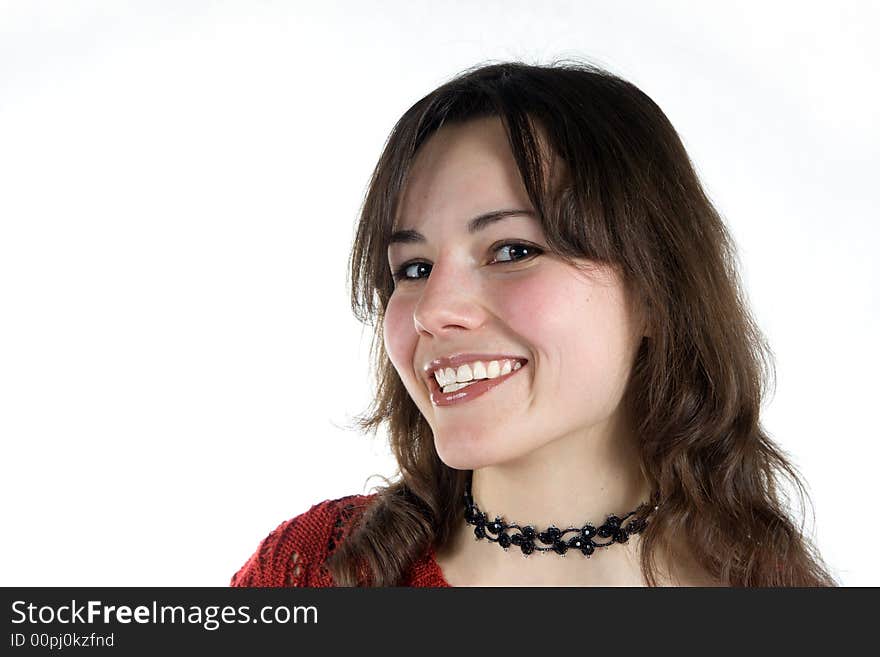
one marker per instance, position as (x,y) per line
(630,197)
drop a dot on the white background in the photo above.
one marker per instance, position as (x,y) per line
(179,184)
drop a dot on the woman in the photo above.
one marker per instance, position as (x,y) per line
(565,363)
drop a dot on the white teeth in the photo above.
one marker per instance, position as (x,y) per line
(479,370)
(456,386)
(451,379)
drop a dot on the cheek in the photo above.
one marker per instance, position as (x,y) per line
(399,335)
(534,301)
(548,311)
(575,326)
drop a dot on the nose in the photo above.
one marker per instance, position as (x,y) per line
(450,302)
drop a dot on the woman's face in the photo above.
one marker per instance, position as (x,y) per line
(475,293)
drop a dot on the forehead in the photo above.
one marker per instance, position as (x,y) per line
(461,171)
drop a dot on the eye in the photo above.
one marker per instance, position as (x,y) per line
(516,251)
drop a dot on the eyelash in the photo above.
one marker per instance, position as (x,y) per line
(399,275)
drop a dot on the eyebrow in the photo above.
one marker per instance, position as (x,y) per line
(476,224)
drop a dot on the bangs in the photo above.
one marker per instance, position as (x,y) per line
(583,148)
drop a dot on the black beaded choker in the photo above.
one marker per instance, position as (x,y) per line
(496,531)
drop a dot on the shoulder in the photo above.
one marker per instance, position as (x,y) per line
(294,552)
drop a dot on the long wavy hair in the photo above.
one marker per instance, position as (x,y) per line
(631,198)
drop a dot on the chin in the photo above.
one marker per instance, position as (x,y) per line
(469,454)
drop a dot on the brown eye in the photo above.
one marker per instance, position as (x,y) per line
(524,249)
(400,274)
(516,251)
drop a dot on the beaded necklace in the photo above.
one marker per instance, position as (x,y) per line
(584,539)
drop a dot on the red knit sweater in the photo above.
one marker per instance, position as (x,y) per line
(294,553)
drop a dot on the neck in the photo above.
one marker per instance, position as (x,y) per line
(569,482)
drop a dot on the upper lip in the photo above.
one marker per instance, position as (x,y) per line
(454,360)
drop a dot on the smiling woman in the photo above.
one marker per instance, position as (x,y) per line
(561,340)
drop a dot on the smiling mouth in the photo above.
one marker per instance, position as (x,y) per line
(469,390)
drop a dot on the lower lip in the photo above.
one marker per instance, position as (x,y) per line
(439,398)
